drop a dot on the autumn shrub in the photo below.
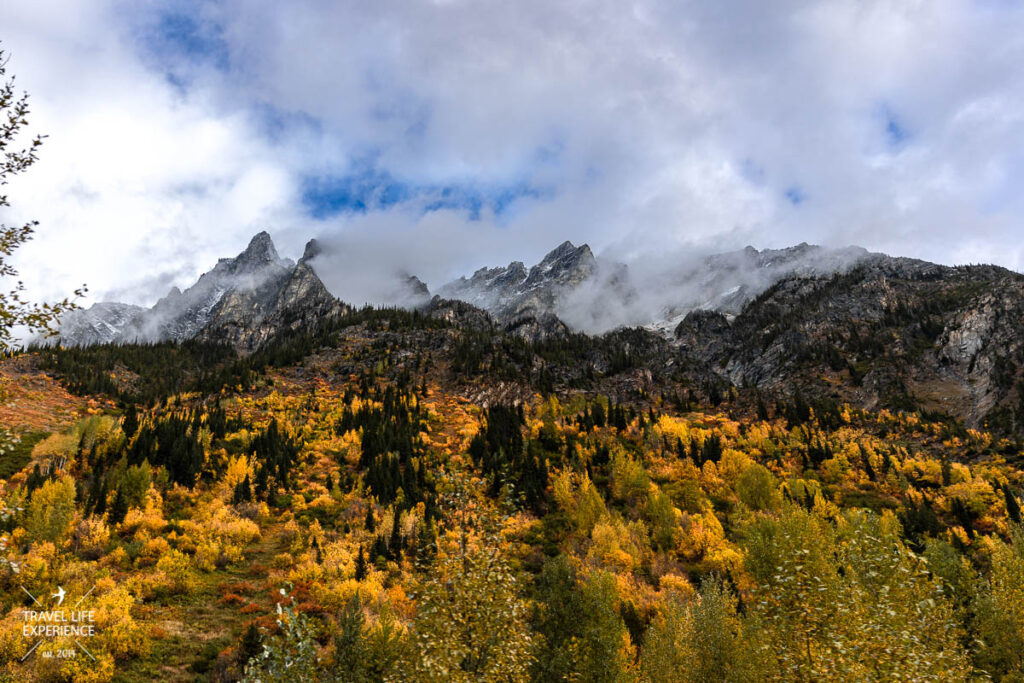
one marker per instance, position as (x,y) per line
(849,599)
(576,495)
(757,488)
(177,573)
(91,538)
(999,609)
(51,510)
(701,640)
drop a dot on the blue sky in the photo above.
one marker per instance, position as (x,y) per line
(438,137)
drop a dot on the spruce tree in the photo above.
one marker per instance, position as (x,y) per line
(1012,505)
(119,508)
(251,644)
(130,423)
(395,540)
(360,565)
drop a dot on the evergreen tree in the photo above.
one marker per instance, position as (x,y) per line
(1012,505)
(250,645)
(360,565)
(100,506)
(395,540)
(119,508)
(130,423)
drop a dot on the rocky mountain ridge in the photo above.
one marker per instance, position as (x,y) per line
(241,301)
(527,301)
(847,325)
(840,324)
(572,289)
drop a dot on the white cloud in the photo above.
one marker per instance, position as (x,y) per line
(657,125)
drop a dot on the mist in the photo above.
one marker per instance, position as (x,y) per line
(371,261)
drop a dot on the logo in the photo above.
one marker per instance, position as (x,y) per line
(56,623)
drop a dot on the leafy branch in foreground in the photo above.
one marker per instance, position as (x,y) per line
(15,310)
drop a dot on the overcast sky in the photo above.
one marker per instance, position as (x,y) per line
(435,137)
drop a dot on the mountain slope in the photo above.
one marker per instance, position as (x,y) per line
(846,325)
(892,331)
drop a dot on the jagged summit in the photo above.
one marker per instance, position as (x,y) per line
(518,297)
(260,252)
(241,301)
(593,295)
(565,251)
(311,251)
(566,264)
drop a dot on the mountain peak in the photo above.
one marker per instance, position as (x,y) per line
(260,251)
(241,301)
(564,250)
(563,264)
(312,250)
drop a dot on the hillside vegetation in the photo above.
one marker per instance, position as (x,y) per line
(392,497)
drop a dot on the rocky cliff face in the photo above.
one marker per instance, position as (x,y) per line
(892,331)
(242,301)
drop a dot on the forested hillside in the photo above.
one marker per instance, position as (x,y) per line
(394,496)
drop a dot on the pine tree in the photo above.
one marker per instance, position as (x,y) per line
(395,540)
(251,644)
(262,481)
(868,469)
(317,552)
(762,408)
(119,508)
(1012,505)
(100,506)
(360,565)
(130,423)
(243,492)
(350,647)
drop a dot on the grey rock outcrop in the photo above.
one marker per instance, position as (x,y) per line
(526,300)
(891,331)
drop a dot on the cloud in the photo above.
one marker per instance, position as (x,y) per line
(436,137)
